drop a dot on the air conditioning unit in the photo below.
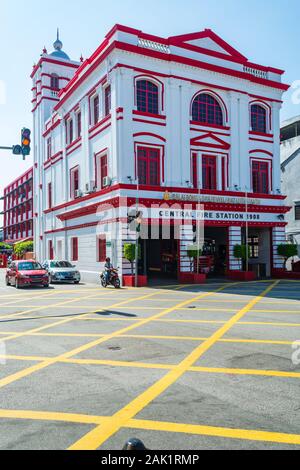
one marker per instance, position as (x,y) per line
(90,187)
(78,193)
(106,182)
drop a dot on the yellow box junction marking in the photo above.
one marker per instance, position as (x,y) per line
(100,434)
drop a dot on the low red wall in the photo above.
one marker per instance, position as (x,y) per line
(129,281)
(282,274)
(241,275)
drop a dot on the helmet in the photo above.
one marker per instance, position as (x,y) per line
(134,444)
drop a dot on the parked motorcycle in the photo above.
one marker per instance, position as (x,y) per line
(114,279)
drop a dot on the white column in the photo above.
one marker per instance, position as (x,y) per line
(186,240)
(276,146)
(278,236)
(87,166)
(239,152)
(125,100)
(234,238)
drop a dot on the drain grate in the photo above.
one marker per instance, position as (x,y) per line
(114,348)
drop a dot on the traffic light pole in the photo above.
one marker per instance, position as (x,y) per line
(6,148)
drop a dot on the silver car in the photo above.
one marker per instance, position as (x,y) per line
(62,271)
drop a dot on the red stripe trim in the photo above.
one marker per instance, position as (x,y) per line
(150,122)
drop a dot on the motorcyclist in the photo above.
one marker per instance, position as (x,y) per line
(108,270)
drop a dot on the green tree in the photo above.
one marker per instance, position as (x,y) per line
(287,251)
(5,246)
(24,247)
(240,252)
(129,254)
(194,252)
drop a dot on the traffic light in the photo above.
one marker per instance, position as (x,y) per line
(17,150)
(26,141)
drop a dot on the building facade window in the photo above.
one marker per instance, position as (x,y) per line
(107,100)
(54,82)
(51,250)
(148,166)
(258,119)
(71,131)
(297,211)
(78,124)
(101,170)
(96,109)
(49,195)
(49,148)
(102,249)
(253,243)
(206,110)
(147,97)
(74,182)
(209,172)
(260,177)
(74,249)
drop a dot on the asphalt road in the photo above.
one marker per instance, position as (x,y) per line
(195,367)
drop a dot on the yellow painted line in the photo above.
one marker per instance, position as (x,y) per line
(170,338)
(62,322)
(240,434)
(269,373)
(191,429)
(138,365)
(146,365)
(49,416)
(269,323)
(255,341)
(45,307)
(227,310)
(94,439)
(58,335)
(293,312)
(200,322)
(37,367)
(9,357)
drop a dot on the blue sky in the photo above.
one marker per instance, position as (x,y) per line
(266,32)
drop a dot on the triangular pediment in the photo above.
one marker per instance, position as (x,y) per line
(207,42)
(209,140)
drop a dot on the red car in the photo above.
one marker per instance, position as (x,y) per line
(25,274)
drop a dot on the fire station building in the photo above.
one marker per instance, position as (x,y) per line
(166,125)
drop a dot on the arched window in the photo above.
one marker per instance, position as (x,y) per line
(207,110)
(54,81)
(147,97)
(258,118)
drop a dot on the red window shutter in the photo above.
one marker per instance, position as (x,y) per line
(260,177)
(148,166)
(74,249)
(195,170)
(51,250)
(147,97)
(258,119)
(79,124)
(103,169)
(209,172)
(102,249)
(223,173)
(96,109)
(207,110)
(107,100)
(49,195)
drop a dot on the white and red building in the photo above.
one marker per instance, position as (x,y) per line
(182,120)
(18,209)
